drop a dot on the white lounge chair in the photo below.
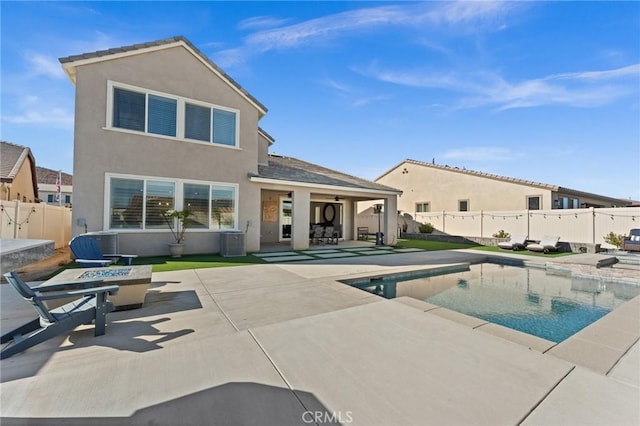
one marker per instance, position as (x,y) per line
(516,242)
(545,245)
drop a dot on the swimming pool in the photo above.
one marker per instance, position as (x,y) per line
(530,300)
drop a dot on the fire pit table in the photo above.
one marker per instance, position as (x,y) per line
(133,281)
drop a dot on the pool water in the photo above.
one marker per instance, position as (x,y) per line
(530,300)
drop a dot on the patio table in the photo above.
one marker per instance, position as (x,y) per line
(133,281)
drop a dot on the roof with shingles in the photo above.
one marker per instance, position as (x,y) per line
(12,158)
(294,170)
(134,48)
(547,186)
(49,176)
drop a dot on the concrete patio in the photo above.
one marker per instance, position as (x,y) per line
(279,344)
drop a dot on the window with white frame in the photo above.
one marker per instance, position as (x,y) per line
(212,205)
(568,203)
(223,207)
(140,110)
(423,207)
(533,203)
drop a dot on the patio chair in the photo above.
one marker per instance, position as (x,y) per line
(545,245)
(516,242)
(92,305)
(88,254)
(330,235)
(318,233)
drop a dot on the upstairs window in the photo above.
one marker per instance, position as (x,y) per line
(210,125)
(197,123)
(224,127)
(128,109)
(173,116)
(463,205)
(162,115)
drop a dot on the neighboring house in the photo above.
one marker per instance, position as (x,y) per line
(429,187)
(159,126)
(48,187)
(17,173)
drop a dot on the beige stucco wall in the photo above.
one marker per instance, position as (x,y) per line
(22,186)
(98,151)
(443,188)
(263,150)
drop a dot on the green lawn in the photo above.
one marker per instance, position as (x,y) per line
(438,245)
(198,261)
(195,261)
(167,263)
(434,245)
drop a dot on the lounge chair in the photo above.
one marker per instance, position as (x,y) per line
(516,242)
(92,305)
(88,254)
(633,242)
(545,245)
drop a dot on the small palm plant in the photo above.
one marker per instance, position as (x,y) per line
(178,221)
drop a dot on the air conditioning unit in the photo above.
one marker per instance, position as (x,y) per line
(232,244)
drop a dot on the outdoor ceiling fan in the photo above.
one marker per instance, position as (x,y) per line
(338,198)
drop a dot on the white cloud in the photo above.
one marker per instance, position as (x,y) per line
(459,14)
(578,89)
(469,12)
(43,65)
(55,117)
(631,70)
(363,101)
(259,22)
(34,112)
(340,87)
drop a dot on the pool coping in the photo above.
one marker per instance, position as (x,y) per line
(598,347)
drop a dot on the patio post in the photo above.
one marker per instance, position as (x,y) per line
(300,219)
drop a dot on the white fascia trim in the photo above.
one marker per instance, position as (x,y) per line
(320,186)
(267,137)
(70,67)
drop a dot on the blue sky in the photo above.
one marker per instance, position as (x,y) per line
(542,91)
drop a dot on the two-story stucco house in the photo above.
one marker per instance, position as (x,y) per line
(430,187)
(54,187)
(159,126)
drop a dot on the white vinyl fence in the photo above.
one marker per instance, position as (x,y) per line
(38,221)
(575,225)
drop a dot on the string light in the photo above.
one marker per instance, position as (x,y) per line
(12,220)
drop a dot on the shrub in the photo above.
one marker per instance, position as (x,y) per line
(614,239)
(501,234)
(426,228)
